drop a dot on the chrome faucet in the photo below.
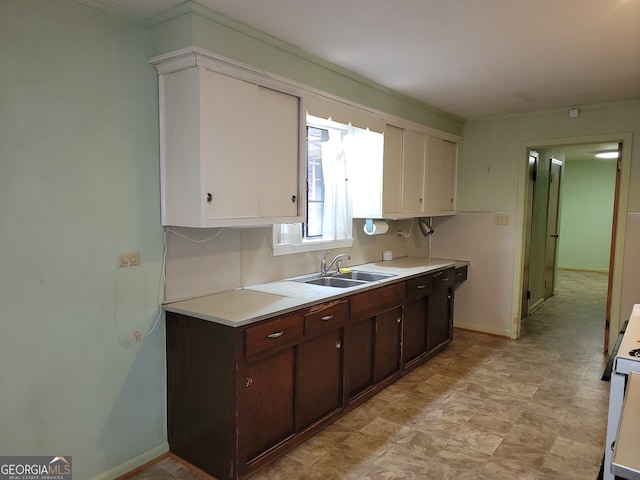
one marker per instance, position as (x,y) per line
(324,268)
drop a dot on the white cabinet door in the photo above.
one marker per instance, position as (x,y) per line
(277,154)
(441,175)
(413,162)
(392,170)
(230,151)
(229,145)
(402,178)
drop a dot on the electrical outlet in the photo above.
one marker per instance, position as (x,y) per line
(502,219)
(129,259)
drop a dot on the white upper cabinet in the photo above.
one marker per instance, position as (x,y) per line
(441,177)
(391,173)
(413,160)
(415,177)
(230,151)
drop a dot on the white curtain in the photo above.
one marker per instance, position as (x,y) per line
(289,233)
(334,169)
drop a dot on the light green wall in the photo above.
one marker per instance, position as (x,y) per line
(490,152)
(588,188)
(79,183)
(491,168)
(191,24)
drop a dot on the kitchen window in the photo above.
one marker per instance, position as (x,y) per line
(328,219)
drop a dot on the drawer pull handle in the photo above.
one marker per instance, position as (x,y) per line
(437,274)
(420,287)
(327,318)
(276,334)
(445,279)
(459,274)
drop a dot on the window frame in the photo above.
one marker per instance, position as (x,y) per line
(314,244)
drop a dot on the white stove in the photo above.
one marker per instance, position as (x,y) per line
(623,365)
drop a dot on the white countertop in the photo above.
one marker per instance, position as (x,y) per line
(624,363)
(250,304)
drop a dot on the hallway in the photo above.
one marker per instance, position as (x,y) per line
(486,408)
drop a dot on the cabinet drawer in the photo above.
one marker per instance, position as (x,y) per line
(419,287)
(377,300)
(461,274)
(326,316)
(445,278)
(274,333)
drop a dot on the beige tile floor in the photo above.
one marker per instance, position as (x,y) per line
(487,408)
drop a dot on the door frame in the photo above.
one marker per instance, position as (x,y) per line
(615,269)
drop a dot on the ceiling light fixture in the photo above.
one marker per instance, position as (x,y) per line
(610,154)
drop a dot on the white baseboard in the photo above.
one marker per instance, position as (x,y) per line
(501,332)
(133,463)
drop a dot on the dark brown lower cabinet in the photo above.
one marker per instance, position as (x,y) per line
(372,350)
(414,332)
(238,398)
(414,335)
(319,378)
(266,394)
(386,358)
(440,309)
(359,355)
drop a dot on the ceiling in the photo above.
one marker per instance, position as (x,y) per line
(469,58)
(587,151)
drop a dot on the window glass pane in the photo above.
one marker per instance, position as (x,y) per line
(315,182)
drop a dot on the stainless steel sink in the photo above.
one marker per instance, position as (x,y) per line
(335,282)
(344,280)
(365,276)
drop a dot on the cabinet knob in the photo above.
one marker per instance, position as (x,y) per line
(338,344)
(248,381)
(399,319)
(209,198)
(293,199)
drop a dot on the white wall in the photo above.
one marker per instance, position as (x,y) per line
(473,236)
(492,163)
(232,258)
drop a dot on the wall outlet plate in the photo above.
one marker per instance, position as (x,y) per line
(502,219)
(129,259)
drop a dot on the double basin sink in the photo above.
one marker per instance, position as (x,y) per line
(345,280)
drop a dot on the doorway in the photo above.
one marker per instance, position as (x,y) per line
(542,230)
(587,227)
